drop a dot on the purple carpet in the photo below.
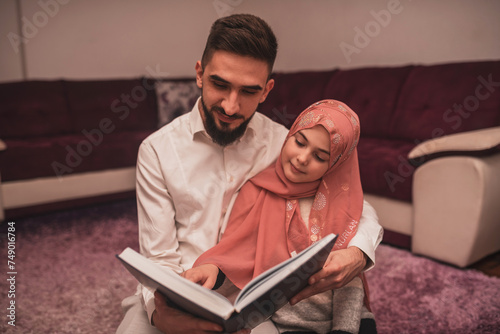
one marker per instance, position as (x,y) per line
(68,281)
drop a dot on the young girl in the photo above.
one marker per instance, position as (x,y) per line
(312,190)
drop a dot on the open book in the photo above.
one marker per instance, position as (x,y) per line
(255,303)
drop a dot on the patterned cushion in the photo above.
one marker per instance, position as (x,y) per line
(175,98)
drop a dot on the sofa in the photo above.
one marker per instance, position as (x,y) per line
(69,143)
(429,151)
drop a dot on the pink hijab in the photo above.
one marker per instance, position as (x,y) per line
(265,226)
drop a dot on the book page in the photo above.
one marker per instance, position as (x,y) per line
(272,277)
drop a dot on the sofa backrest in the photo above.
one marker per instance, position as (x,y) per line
(33,109)
(292,93)
(372,93)
(129,104)
(445,99)
(411,103)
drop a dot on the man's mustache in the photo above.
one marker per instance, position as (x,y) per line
(222,111)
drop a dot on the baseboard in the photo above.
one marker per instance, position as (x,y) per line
(34,210)
(394,215)
(27,197)
(24,193)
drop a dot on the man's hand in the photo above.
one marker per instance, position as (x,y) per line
(205,275)
(339,269)
(172,321)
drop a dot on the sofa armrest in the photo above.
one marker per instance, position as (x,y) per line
(473,142)
(3,146)
(455,208)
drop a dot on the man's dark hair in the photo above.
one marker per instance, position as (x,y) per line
(244,35)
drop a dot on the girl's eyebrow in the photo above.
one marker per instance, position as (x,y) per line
(307,141)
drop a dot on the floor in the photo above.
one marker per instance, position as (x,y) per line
(489,265)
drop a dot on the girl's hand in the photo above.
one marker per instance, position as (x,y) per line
(205,275)
(340,268)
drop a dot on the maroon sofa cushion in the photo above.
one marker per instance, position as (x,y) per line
(445,99)
(69,154)
(384,168)
(129,104)
(55,128)
(372,93)
(33,108)
(292,93)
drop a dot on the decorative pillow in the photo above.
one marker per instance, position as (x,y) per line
(470,142)
(175,98)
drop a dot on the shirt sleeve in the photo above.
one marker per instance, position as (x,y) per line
(148,299)
(156,221)
(369,234)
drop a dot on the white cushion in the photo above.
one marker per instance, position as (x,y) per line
(478,140)
(3,146)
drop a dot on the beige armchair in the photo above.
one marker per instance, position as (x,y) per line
(456,198)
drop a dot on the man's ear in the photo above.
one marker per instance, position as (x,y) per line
(267,89)
(199,73)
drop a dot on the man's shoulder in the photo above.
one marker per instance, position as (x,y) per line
(263,123)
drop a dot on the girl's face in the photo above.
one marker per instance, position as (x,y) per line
(306,155)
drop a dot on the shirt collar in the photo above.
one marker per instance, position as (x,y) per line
(197,125)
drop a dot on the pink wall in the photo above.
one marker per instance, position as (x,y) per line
(109,39)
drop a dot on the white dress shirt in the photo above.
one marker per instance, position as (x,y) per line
(186,185)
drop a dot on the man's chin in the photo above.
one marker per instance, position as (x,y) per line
(227,127)
(221,132)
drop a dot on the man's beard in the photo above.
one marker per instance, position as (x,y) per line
(224,136)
